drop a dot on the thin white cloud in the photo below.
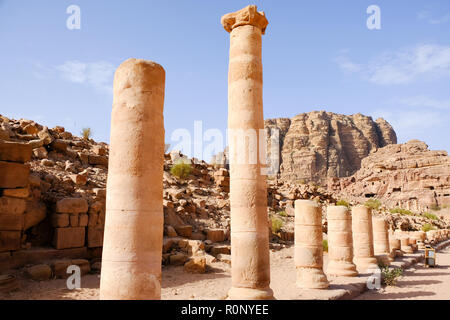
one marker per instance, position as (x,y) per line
(426,15)
(424,61)
(98,74)
(344,62)
(73,71)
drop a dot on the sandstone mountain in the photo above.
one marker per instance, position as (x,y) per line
(318,145)
(400,175)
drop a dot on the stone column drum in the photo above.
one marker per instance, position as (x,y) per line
(309,245)
(340,242)
(381,241)
(250,268)
(406,248)
(131,264)
(363,251)
(394,245)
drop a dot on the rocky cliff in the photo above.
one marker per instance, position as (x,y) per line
(318,145)
(400,175)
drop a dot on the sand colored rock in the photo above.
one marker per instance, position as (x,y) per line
(363,250)
(381,241)
(15,151)
(340,242)
(248,192)
(400,175)
(131,265)
(308,245)
(318,145)
(13,175)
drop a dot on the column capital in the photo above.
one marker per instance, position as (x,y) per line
(246,16)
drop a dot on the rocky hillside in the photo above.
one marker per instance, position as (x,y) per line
(53,192)
(401,175)
(318,145)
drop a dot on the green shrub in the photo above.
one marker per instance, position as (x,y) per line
(181,170)
(374,204)
(402,211)
(276,224)
(343,203)
(390,275)
(431,216)
(325,245)
(282,213)
(427,227)
(86,133)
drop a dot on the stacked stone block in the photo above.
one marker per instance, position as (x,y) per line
(14,189)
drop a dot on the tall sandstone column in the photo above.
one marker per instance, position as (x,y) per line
(364,256)
(340,242)
(248,194)
(309,245)
(131,264)
(381,241)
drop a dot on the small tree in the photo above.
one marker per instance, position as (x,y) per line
(427,227)
(181,170)
(282,213)
(390,275)
(402,211)
(343,203)
(431,216)
(374,204)
(86,133)
(276,224)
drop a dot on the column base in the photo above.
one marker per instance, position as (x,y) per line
(407,249)
(250,294)
(365,264)
(341,269)
(311,278)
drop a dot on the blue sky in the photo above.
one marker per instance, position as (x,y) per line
(317,55)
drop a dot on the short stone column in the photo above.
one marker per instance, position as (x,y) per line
(406,248)
(413,244)
(340,242)
(381,241)
(420,237)
(363,251)
(250,267)
(395,245)
(132,249)
(309,245)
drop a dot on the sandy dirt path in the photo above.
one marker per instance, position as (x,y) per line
(179,285)
(418,283)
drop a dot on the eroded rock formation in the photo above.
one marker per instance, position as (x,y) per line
(317,145)
(401,175)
